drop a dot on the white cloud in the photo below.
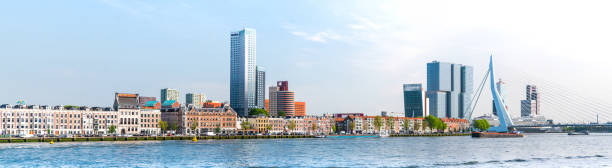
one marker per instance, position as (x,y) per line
(321,37)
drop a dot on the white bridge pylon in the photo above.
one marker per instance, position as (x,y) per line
(504,117)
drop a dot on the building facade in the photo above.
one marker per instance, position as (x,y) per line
(300,109)
(531,105)
(195,99)
(243,70)
(218,120)
(414,100)
(449,89)
(260,90)
(169,94)
(281,99)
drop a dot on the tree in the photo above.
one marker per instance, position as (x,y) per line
(406,125)
(352,127)
(282,113)
(390,123)
(333,127)
(291,125)
(194,125)
(417,125)
(481,124)
(314,126)
(111,129)
(444,126)
(217,130)
(364,124)
(268,127)
(434,122)
(424,125)
(378,123)
(245,125)
(257,112)
(163,125)
(174,127)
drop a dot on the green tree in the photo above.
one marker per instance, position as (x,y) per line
(425,125)
(194,125)
(481,124)
(112,129)
(406,125)
(282,113)
(291,125)
(434,122)
(352,127)
(217,129)
(390,122)
(314,127)
(268,127)
(378,122)
(444,126)
(333,127)
(174,127)
(245,125)
(417,125)
(163,125)
(257,112)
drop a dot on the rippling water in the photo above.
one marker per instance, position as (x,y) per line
(536,150)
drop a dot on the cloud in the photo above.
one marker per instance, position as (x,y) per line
(364,24)
(321,37)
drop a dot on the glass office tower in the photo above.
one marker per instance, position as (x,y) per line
(243,71)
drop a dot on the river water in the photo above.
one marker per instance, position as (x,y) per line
(535,150)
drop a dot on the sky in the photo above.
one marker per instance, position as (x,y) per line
(338,56)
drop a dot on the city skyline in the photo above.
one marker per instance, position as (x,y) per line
(88,61)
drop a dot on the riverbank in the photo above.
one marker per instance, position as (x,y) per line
(430,135)
(145,138)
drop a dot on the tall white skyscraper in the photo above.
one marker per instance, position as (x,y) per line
(243,71)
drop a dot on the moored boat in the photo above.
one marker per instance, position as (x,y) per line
(496,135)
(578,133)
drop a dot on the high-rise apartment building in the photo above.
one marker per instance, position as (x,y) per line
(531,105)
(260,90)
(195,99)
(169,94)
(449,89)
(281,99)
(414,100)
(243,71)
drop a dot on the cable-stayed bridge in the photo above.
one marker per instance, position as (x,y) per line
(563,106)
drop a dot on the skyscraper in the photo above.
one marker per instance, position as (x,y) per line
(281,99)
(260,90)
(196,99)
(449,89)
(169,94)
(243,71)
(531,105)
(414,99)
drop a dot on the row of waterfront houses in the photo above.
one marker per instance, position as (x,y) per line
(129,116)
(360,124)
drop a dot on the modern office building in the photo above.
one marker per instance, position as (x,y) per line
(300,109)
(195,99)
(281,99)
(169,94)
(243,71)
(414,100)
(531,105)
(260,90)
(500,90)
(449,89)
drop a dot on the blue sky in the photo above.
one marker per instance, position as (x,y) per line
(339,56)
